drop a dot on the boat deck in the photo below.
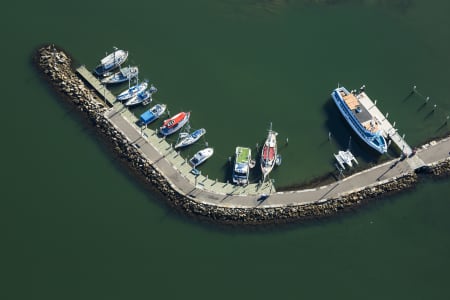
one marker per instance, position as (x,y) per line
(388,130)
(361,113)
(243,154)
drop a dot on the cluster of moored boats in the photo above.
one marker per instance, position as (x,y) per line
(360,120)
(110,72)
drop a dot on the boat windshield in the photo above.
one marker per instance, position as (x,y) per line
(240,174)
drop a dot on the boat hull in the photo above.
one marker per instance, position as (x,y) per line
(375,140)
(201,156)
(111,62)
(152,114)
(192,138)
(175,123)
(241,169)
(121,76)
(132,91)
(269,154)
(139,98)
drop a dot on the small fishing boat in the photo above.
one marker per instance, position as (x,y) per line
(152,114)
(269,153)
(242,164)
(191,138)
(132,91)
(175,123)
(144,97)
(201,156)
(124,74)
(111,61)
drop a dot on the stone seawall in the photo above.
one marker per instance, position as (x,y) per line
(58,70)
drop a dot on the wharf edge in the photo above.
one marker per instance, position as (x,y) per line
(232,208)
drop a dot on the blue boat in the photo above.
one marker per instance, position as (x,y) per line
(132,91)
(360,120)
(191,138)
(152,114)
(124,74)
(144,97)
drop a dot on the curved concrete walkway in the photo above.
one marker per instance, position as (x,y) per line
(205,190)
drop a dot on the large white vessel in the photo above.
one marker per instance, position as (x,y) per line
(360,120)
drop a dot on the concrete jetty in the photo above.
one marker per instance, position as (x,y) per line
(101,89)
(155,159)
(389,131)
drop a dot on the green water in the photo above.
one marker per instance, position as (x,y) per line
(75,225)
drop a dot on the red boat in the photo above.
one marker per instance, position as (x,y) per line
(269,153)
(175,123)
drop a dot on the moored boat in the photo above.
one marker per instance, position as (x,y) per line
(201,156)
(124,74)
(111,61)
(191,138)
(269,153)
(175,123)
(152,114)
(242,165)
(144,97)
(367,127)
(345,157)
(132,91)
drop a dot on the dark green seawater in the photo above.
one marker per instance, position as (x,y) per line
(75,225)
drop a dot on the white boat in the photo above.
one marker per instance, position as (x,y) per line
(124,74)
(345,157)
(269,153)
(152,114)
(366,126)
(201,156)
(144,97)
(175,123)
(242,164)
(132,91)
(111,61)
(191,138)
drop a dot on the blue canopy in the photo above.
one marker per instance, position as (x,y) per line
(147,117)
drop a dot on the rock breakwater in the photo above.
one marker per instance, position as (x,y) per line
(58,70)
